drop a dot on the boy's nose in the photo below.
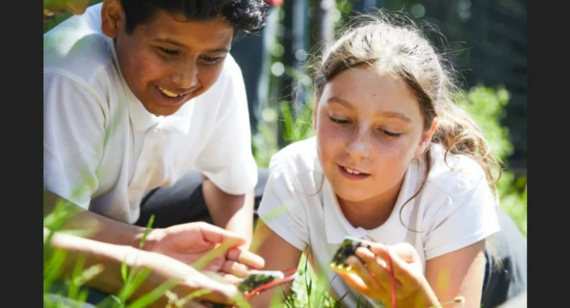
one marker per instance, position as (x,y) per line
(186,77)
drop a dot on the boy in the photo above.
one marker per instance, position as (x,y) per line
(138,96)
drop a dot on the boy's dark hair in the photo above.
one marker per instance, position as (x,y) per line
(244,15)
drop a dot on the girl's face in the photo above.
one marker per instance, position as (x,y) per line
(369,128)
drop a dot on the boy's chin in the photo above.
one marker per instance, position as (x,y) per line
(165,111)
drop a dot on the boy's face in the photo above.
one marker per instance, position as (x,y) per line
(168,60)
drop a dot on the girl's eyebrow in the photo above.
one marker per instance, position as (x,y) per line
(338,100)
(384,114)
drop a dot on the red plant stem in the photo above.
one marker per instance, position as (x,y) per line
(392,280)
(291,275)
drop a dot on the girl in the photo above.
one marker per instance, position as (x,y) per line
(395,162)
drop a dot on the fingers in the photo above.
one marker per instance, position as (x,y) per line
(214,288)
(356,282)
(223,278)
(364,273)
(404,251)
(376,265)
(403,256)
(218,235)
(246,258)
(234,268)
(231,279)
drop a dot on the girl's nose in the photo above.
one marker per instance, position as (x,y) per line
(359,147)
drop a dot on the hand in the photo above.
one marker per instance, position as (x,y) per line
(208,286)
(205,247)
(372,273)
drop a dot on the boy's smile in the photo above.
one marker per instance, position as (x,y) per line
(168,60)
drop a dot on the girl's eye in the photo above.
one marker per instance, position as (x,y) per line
(339,121)
(211,60)
(169,52)
(390,134)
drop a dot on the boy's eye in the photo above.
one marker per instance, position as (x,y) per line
(169,52)
(339,121)
(211,60)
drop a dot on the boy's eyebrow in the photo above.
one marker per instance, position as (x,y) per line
(225,50)
(385,114)
(173,42)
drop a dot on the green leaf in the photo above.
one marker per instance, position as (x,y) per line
(214,253)
(132,285)
(154,295)
(146,231)
(124,271)
(77,269)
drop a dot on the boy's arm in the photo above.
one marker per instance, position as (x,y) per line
(99,227)
(279,255)
(74,136)
(231,212)
(162,269)
(187,243)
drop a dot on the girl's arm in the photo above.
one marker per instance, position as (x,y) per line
(278,254)
(458,273)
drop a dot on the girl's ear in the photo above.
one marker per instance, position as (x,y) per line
(111,17)
(315,110)
(425,141)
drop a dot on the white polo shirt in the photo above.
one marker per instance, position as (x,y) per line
(103,150)
(455,209)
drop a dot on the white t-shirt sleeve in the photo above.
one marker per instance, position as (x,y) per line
(227,159)
(73,138)
(280,209)
(465,218)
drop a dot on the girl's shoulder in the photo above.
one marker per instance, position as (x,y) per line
(454,173)
(300,156)
(298,164)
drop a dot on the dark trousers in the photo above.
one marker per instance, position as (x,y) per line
(506,282)
(184,202)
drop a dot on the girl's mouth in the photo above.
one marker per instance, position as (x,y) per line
(353,173)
